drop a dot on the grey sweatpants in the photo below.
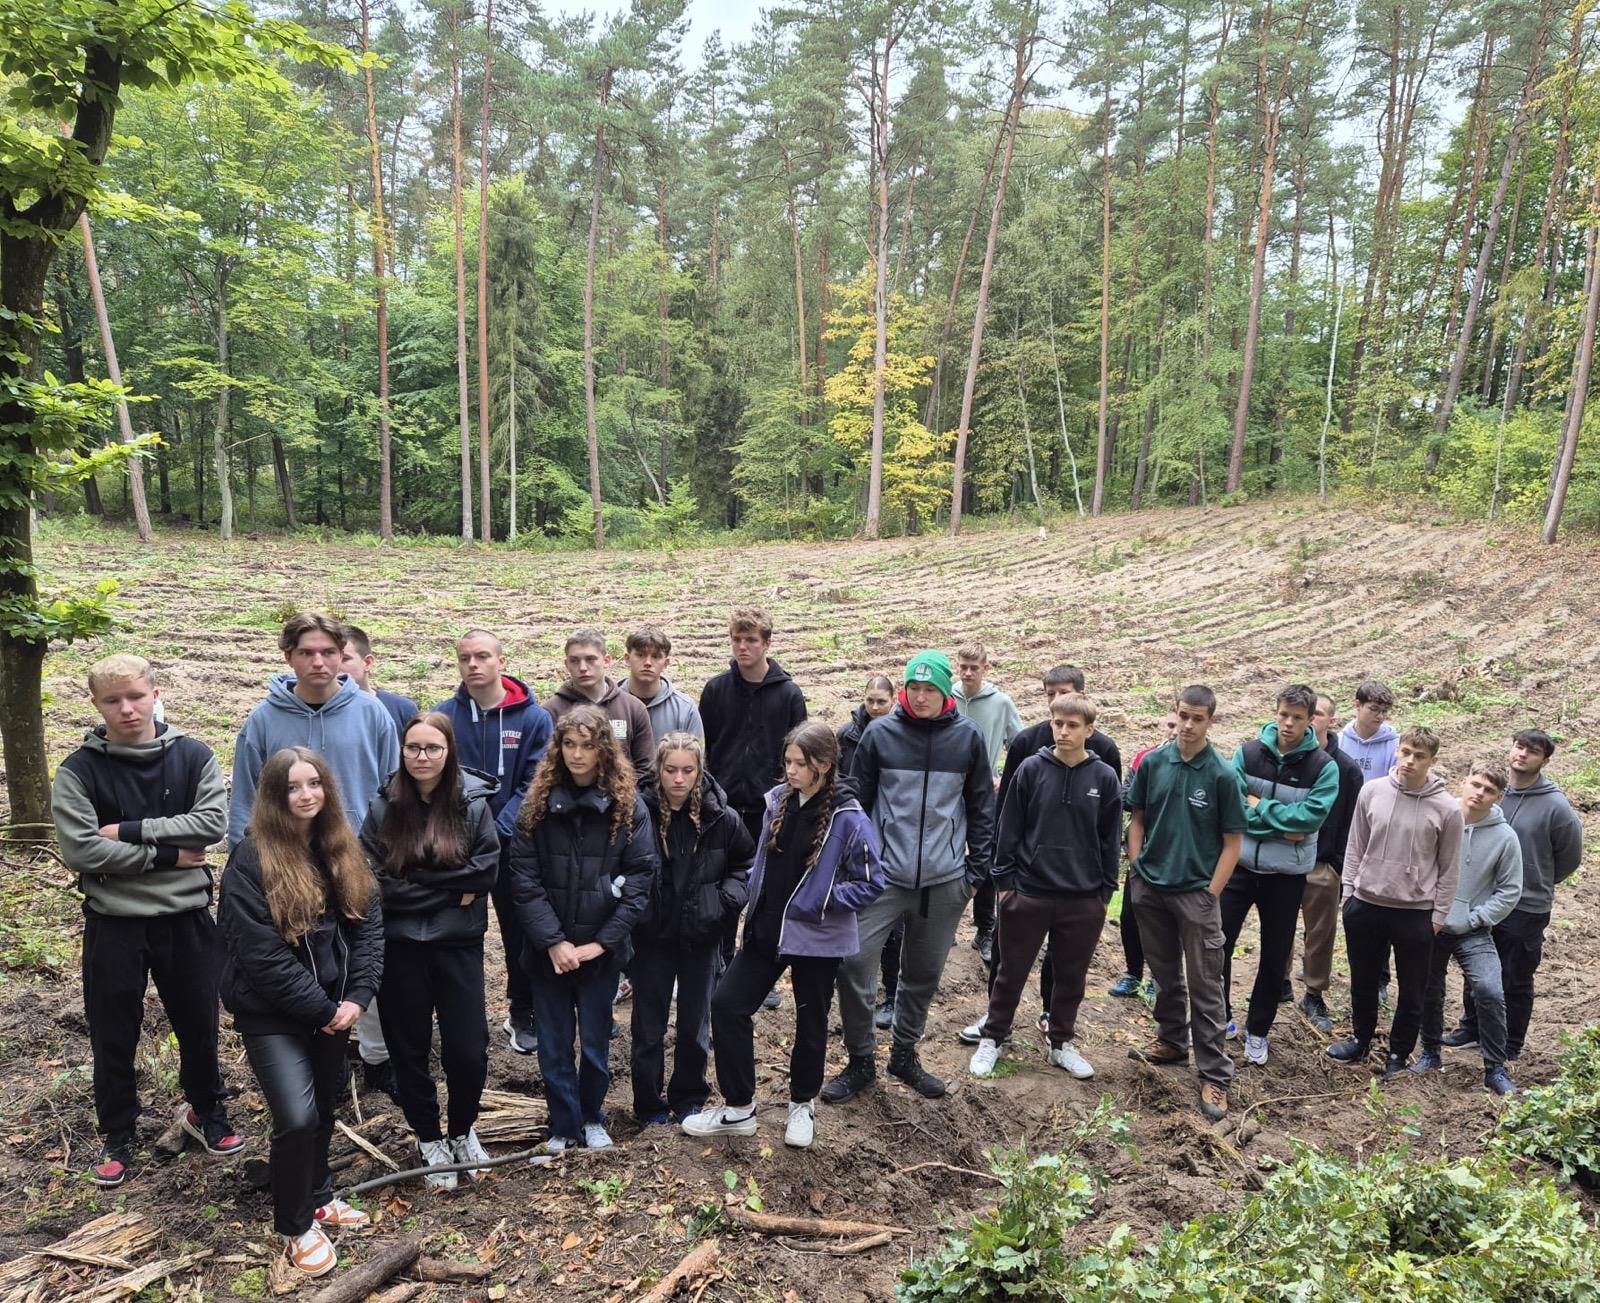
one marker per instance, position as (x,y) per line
(930,915)
(1183,944)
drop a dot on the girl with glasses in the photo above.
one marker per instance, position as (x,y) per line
(431,839)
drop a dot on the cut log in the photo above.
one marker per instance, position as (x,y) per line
(773,1224)
(360,1281)
(401,1293)
(697,1262)
(121,1236)
(443,1270)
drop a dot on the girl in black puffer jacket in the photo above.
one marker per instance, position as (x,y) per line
(581,866)
(431,838)
(705,864)
(302,934)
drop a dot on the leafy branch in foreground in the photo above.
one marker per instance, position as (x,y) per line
(1560,1123)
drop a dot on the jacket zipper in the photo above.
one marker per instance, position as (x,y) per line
(922,815)
(783,919)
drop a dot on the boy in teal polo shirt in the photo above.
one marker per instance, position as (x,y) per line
(1183,843)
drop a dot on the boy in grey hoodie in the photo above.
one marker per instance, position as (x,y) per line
(1401,868)
(1551,837)
(1370,739)
(1488,889)
(134,809)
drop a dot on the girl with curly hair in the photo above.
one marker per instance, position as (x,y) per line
(582,863)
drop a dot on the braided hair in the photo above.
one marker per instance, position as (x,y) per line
(616,777)
(680,741)
(818,746)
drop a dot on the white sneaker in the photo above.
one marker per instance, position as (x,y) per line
(802,1128)
(717,1122)
(435,1153)
(596,1136)
(1255,1049)
(468,1149)
(984,1058)
(559,1144)
(971,1035)
(1066,1056)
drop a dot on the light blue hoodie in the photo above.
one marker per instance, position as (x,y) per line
(353,731)
(1375,755)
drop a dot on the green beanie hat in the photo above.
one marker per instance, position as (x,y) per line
(930,667)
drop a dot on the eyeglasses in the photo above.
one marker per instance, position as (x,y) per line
(433,750)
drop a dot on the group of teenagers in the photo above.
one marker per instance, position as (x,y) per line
(624,832)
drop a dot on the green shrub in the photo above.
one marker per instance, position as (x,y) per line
(1560,1123)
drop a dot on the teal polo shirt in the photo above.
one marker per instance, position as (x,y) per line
(1188,805)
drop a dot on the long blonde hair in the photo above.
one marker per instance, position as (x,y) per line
(694,746)
(300,874)
(616,778)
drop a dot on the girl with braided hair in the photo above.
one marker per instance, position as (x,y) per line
(582,862)
(816,865)
(705,862)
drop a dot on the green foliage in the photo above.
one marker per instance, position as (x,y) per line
(1394,1228)
(1016,1249)
(675,523)
(1514,454)
(1559,1124)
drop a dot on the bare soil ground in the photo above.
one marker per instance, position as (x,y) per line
(1484,635)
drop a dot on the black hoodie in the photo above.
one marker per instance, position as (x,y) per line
(1061,828)
(745,727)
(850,737)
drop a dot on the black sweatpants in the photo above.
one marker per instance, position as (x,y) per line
(1369,932)
(733,1006)
(512,938)
(1276,898)
(653,971)
(1128,925)
(421,978)
(983,906)
(1519,938)
(181,951)
(301,1075)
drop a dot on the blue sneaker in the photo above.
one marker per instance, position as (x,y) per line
(1233,1031)
(1126,987)
(656,1119)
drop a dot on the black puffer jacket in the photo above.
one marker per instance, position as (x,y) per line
(271,987)
(850,737)
(704,876)
(571,882)
(425,904)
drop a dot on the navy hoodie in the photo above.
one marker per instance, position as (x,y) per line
(505,742)
(1060,828)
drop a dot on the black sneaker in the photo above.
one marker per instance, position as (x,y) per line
(115,1164)
(1428,1061)
(905,1065)
(379,1077)
(1460,1039)
(1316,1012)
(214,1132)
(1499,1081)
(1349,1051)
(883,1019)
(858,1074)
(773,1000)
(1393,1066)
(983,943)
(521,1034)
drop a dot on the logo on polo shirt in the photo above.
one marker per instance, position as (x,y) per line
(1200,798)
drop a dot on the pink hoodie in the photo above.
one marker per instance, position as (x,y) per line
(1405,847)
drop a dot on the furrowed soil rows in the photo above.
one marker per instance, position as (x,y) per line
(1481,636)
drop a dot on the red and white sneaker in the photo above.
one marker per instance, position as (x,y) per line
(311,1253)
(215,1134)
(337,1212)
(113,1167)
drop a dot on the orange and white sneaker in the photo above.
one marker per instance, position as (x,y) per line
(311,1253)
(338,1213)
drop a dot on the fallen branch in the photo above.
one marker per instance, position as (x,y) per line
(401,1293)
(363,1143)
(949,1167)
(88,1259)
(360,1281)
(442,1270)
(134,1282)
(844,1250)
(773,1224)
(697,1262)
(536,1157)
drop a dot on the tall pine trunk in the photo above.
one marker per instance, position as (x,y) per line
(380,276)
(880,292)
(463,408)
(591,424)
(484,531)
(1583,367)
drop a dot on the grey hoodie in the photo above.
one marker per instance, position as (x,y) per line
(1491,875)
(352,731)
(1405,847)
(163,795)
(1374,754)
(671,711)
(1552,841)
(996,716)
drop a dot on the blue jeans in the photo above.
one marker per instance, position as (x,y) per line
(566,1006)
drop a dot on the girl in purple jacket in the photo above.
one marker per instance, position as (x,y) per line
(816,865)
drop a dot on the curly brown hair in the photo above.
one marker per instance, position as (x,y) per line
(695,747)
(290,860)
(616,778)
(820,746)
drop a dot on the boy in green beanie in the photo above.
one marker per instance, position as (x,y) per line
(924,778)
